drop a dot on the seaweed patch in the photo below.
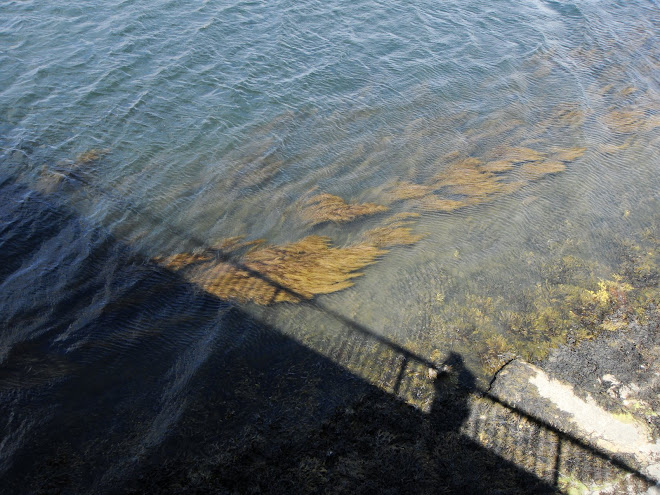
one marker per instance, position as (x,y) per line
(268,274)
(329,208)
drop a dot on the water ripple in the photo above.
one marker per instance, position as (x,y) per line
(219,120)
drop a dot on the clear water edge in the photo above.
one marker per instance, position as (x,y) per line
(220,119)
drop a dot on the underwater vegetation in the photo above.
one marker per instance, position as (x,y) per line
(90,156)
(517,154)
(308,267)
(573,297)
(436,203)
(624,121)
(568,305)
(536,170)
(395,231)
(50,179)
(570,115)
(407,190)
(493,157)
(612,148)
(329,208)
(291,272)
(466,179)
(570,154)
(313,265)
(469,181)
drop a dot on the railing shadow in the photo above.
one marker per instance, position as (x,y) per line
(128,378)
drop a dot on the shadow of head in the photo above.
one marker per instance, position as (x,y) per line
(452,384)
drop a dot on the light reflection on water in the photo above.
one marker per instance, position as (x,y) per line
(225,120)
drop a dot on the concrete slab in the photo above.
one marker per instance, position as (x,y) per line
(532,391)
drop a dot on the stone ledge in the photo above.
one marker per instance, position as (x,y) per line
(530,390)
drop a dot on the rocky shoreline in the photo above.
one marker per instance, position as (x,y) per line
(601,396)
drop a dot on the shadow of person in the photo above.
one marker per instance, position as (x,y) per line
(452,386)
(460,464)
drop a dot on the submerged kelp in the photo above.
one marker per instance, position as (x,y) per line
(624,121)
(329,208)
(403,190)
(536,170)
(269,274)
(91,155)
(468,181)
(396,231)
(516,154)
(498,166)
(568,114)
(51,178)
(436,203)
(466,178)
(568,155)
(236,244)
(613,148)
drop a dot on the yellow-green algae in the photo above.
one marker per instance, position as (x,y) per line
(91,155)
(268,274)
(570,302)
(395,231)
(568,305)
(311,266)
(471,180)
(50,179)
(325,207)
(292,272)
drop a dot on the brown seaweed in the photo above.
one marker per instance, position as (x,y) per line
(624,121)
(397,231)
(569,114)
(466,178)
(536,170)
(292,272)
(90,156)
(518,154)
(436,203)
(233,244)
(470,181)
(329,208)
(570,154)
(268,274)
(403,190)
(612,148)
(498,166)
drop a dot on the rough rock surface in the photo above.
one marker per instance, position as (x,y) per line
(603,395)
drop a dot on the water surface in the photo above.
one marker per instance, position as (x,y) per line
(523,136)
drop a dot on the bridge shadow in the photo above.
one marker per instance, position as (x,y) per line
(119,376)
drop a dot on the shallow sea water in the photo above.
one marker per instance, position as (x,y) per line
(131,132)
